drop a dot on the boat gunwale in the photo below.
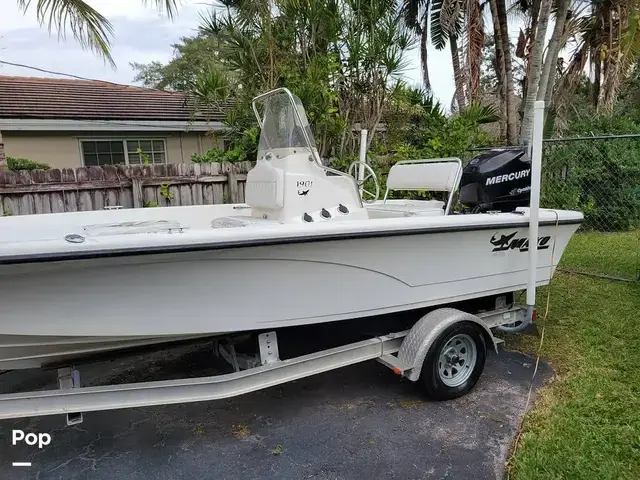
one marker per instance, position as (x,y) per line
(258,242)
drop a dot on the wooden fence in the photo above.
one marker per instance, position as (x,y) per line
(96,188)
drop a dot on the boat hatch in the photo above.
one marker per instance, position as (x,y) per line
(124,228)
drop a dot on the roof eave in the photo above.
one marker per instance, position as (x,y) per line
(66,125)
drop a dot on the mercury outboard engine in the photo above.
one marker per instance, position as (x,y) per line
(499,180)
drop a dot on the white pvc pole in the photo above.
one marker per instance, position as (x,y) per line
(363,157)
(534,206)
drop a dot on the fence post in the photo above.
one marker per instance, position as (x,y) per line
(232,182)
(136,190)
(3,157)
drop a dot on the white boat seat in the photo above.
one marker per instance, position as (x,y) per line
(438,175)
(430,175)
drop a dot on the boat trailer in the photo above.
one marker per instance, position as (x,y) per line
(441,337)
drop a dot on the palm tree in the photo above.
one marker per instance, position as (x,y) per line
(416,17)
(458,23)
(535,70)
(605,38)
(499,14)
(547,79)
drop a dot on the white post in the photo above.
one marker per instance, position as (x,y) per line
(363,157)
(534,206)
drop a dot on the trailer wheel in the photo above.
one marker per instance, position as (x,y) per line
(454,362)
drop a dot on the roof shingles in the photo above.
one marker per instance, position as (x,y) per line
(53,98)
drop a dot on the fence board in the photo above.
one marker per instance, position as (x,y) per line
(70,201)
(93,188)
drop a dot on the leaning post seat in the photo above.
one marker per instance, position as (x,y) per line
(429,175)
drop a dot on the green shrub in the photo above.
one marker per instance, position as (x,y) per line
(215,155)
(16,164)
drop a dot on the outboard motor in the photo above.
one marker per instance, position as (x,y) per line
(498,180)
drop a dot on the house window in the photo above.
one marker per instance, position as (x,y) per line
(150,150)
(103,153)
(128,152)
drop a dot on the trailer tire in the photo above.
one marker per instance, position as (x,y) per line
(454,361)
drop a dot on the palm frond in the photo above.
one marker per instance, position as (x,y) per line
(411,12)
(211,86)
(88,26)
(439,34)
(450,11)
(480,114)
(209,24)
(170,7)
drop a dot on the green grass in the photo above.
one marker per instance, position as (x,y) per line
(586,423)
(614,254)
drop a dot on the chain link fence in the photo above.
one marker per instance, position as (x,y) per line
(599,176)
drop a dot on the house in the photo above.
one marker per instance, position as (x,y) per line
(74,123)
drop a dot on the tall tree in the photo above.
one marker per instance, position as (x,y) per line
(500,9)
(550,67)
(415,14)
(341,57)
(499,67)
(535,71)
(458,23)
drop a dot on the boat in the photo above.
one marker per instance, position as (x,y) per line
(310,245)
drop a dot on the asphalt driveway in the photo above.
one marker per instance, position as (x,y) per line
(359,422)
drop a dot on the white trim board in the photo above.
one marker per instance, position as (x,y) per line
(36,124)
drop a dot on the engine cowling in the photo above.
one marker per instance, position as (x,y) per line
(498,180)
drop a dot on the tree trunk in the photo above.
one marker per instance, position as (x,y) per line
(457,73)
(535,72)
(512,123)
(423,55)
(550,65)
(475,44)
(551,59)
(500,70)
(531,38)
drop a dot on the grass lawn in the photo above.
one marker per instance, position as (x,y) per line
(614,254)
(586,423)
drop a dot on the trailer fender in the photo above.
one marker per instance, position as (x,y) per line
(416,344)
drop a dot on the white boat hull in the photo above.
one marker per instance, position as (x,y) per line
(53,310)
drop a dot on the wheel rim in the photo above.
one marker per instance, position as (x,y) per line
(457,360)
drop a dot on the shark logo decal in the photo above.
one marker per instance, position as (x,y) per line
(503,242)
(304,187)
